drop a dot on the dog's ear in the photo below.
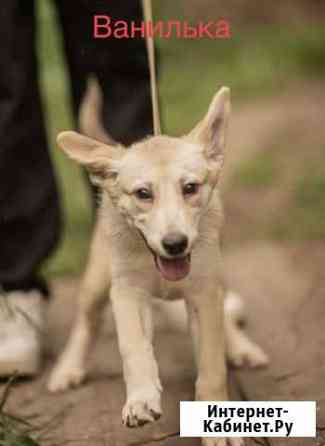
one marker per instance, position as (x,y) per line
(211,132)
(101,160)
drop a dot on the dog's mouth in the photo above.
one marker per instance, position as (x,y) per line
(173,269)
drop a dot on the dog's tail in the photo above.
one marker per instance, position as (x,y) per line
(90,114)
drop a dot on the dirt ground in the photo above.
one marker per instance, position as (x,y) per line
(283,286)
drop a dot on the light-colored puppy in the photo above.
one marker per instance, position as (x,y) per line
(157,236)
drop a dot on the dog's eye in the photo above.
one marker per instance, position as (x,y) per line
(143,194)
(190,189)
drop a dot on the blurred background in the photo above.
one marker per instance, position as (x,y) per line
(274,183)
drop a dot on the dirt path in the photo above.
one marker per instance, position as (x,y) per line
(279,283)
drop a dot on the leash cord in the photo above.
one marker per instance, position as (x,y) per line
(148,17)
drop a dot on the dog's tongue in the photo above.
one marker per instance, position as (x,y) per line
(174,269)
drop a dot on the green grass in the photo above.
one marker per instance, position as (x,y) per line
(255,62)
(71,254)
(261,171)
(15,431)
(306,217)
(34,429)
(297,208)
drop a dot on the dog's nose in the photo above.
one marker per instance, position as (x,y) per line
(175,243)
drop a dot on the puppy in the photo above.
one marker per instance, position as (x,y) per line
(157,236)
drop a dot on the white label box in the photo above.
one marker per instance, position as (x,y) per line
(248,419)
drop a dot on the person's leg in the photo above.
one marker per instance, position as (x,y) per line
(29,208)
(120,65)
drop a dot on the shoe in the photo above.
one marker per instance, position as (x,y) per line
(21,331)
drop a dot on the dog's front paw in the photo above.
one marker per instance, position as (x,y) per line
(245,352)
(64,376)
(142,407)
(220,441)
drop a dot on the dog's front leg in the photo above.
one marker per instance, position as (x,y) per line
(132,316)
(207,326)
(206,319)
(70,369)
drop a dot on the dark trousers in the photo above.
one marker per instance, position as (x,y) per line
(30,217)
